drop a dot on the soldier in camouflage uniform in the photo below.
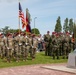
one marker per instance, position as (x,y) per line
(30,44)
(50,45)
(26,47)
(17,50)
(60,44)
(20,45)
(66,46)
(9,47)
(72,42)
(55,47)
(23,51)
(2,46)
(34,44)
(47,40)
(75,42)
(58,51)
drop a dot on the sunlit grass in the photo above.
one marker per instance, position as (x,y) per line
(40,59)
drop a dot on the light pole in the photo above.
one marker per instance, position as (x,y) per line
(34,24)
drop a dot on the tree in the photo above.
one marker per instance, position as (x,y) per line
(74,30)
(14,30)
(58,27)
(65,26)
(71,25)
(5,29)
(0,30)
(36,31)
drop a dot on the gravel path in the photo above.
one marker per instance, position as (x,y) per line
(32,70)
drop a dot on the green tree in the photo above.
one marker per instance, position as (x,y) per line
(71,25)
(13,30)
(74,30)
(58,27)
(65,26)
(5,29)
(36,31)
(0,30)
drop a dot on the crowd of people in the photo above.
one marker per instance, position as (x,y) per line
(20,46)
(59,44)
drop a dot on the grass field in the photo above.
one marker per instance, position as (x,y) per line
(40,59)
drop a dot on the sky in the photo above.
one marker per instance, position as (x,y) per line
(46,11)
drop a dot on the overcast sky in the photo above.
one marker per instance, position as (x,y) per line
(46,11)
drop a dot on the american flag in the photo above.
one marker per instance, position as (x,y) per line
(21,15)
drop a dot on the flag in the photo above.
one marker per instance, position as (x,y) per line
(21,15)
(73,37)
(28,27)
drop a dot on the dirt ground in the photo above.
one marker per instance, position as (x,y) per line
(32,70)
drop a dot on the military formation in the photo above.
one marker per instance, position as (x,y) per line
(58,44)
(18,46)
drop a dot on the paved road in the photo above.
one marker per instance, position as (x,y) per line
(32,70)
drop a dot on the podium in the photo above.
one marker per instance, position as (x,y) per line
(72,60)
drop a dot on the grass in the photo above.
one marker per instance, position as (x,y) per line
(40,59)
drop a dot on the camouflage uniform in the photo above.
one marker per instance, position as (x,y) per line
(26,47)
(66,47)
(23,51)
(60,45)
(34,43)
(17,50)
(20,46)
(47,39)
(9,47)
(55,48)
(2,47)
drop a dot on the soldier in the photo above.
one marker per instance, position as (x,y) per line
(30,43)
(14,45)
(55,48)
(66,46)
(26,47)
(63,41)
(17,50)
(20,46)
(2,46)
(23,49)
(60,43)
(75,43)
(70,44)
(47,39)
(9,47)
(34,43)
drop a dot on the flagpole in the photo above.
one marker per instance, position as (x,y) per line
(26,21)
(19,20)
(34,24)
(19,25)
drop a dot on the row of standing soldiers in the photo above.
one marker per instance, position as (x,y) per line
(58,45)
(17,47)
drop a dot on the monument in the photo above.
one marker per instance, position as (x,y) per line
(72,59)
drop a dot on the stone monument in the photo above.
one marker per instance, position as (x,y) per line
(72,59)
